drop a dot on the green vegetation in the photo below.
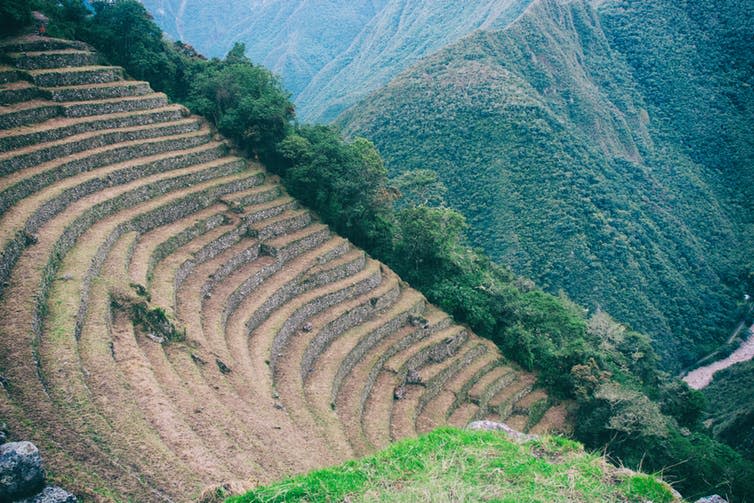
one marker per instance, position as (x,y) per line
(731,410)
(456,465)
(558,140)
(152,320)
(294,38)
(624,401)
(330,54)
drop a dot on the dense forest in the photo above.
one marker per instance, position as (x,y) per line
(622,401)
(598,155)
(731,407)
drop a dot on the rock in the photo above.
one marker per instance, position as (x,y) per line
(418,321)
(21,472)
(493,426)
(712,499)
(399,393)
(308,327)
(413,377)
(155,338)
(223,368)
(52,494)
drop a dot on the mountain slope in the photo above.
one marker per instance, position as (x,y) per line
(330,53)
(171,318)
(571,166)
(294,39)
(402,33)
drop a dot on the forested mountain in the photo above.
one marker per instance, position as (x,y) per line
(731,406)
(329,53)
(601,148)
(296,39)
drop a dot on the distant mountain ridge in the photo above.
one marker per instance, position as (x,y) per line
(330,53)
(596,154)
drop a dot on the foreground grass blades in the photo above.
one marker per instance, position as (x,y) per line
(449,464)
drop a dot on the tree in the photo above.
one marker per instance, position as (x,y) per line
(14,15)
(246,102)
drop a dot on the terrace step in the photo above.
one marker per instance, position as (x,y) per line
(380,389)
(30,216)
(80,75)
(463,414)
(113,105)
(39,153)
(34,43)
(504,401)
(430,380)
(17,92)
(437,411)
(231,297)
(9,74)
(56,58)
(165,152)
(60,127)
(105,90)
(26,113)
(323,331)
(490,383)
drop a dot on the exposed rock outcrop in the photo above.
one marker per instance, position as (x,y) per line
(22,477)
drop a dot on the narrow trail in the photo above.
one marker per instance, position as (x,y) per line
(701,377)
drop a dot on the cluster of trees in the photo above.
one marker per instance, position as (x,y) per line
(624,401)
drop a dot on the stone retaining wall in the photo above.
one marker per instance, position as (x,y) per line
(168,246)
(347,320)
(436,385)
(49,209)
(139,118)
(169,212)
(72,146)
(88,108)
(44,60)
(300,285)
(37,182)
(61,78)
(463,394)
(26,116)
(124,89)
(316,306)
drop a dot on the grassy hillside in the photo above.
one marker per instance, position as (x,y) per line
(571,168)
(455,465)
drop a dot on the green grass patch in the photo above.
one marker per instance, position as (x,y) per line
(449,464)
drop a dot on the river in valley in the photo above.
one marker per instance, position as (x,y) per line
(701,377)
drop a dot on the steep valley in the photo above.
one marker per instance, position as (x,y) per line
(616,170)
(330,54)
(535,212)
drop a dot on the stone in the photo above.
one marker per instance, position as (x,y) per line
(221,365)
(502,427)
(712,499)
(51,494)
(21,472)
(307,327)
(399,393)
(155,338)
(413,377)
